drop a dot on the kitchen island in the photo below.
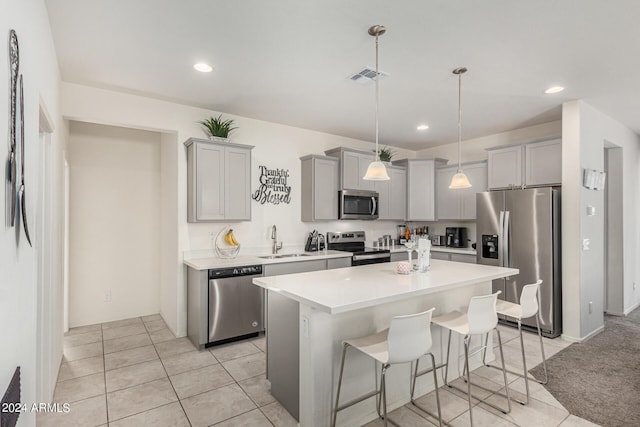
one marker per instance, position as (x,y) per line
(310,314)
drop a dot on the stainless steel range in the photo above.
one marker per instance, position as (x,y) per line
(354,241)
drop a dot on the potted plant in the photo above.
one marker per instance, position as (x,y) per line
(386,154)
(217,129)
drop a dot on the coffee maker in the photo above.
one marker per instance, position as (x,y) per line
(456,237)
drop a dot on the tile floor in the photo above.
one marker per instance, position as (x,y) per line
(134,372)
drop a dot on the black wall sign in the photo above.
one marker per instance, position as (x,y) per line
(273,186)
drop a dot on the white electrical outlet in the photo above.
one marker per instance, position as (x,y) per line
(585,244)
(107,296)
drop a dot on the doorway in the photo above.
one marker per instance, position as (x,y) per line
(48,345)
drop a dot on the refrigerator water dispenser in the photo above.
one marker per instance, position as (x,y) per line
(489,246)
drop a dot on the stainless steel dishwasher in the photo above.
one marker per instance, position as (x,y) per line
(236,305)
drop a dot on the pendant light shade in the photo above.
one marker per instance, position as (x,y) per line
(377,170)
(459,180)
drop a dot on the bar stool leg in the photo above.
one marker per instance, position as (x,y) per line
(383,390)
(435,384)
(446,366)
(544,359)
(335,409)
(524,362)
(466,366)
(504,372)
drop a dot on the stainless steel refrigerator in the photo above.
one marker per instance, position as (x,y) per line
(521,229)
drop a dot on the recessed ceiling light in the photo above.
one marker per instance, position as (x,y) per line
(203,68)
(422,127)
(554,89)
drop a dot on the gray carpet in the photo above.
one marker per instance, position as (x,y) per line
(599,380)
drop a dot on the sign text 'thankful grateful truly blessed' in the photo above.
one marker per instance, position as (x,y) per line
(273,186)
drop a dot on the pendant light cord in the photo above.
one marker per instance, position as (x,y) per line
(377,100)
(460,122)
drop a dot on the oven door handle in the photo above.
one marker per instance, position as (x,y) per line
(370,256)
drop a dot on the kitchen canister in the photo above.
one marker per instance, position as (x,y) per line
(404,267)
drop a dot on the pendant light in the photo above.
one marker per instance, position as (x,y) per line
(376,170)
(459,180)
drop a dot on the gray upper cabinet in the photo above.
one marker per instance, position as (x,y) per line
(477,174)
(320,177)
(459,204)
(421,187)
(505,167)
(529,165)
(353,166)
(218,181)
(448,202)
(392,202)
(543,163)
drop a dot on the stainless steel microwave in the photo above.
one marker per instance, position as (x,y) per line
(358,204)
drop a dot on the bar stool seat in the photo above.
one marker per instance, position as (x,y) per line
(406,340)
(480,319)
(527,308)
(375,346)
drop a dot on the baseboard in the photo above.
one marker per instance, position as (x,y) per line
(630,309)
(585,338)
(615,313)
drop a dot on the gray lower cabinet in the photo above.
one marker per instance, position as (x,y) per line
(470,259)
(218,181)
(456,257)
(283,333)
(338,263)
(440,255)
(320,183)
(400,256)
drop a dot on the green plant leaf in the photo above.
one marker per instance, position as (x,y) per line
(215,126)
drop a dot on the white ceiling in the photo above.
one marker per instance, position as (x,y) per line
(288,61)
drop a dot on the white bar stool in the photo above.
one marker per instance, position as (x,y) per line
(480,319)
(407,339)
(528,307)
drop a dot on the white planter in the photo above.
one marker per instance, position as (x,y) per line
(218,139)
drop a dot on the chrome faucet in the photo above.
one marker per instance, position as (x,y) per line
(275,247)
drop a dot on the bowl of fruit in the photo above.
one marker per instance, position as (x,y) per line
(225,244)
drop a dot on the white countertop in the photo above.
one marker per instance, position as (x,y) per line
(213,262)
(346,289)
(463,251)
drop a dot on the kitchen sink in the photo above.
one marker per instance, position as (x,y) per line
(282,256)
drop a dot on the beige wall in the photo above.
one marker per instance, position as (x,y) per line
(115,217)
(586,132)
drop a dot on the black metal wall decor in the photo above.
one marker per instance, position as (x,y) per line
(16,196)
(273,186)
(10,405)
(14,67)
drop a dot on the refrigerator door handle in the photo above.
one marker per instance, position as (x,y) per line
(505,240)
(501,239)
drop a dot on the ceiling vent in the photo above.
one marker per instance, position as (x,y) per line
(367,76)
